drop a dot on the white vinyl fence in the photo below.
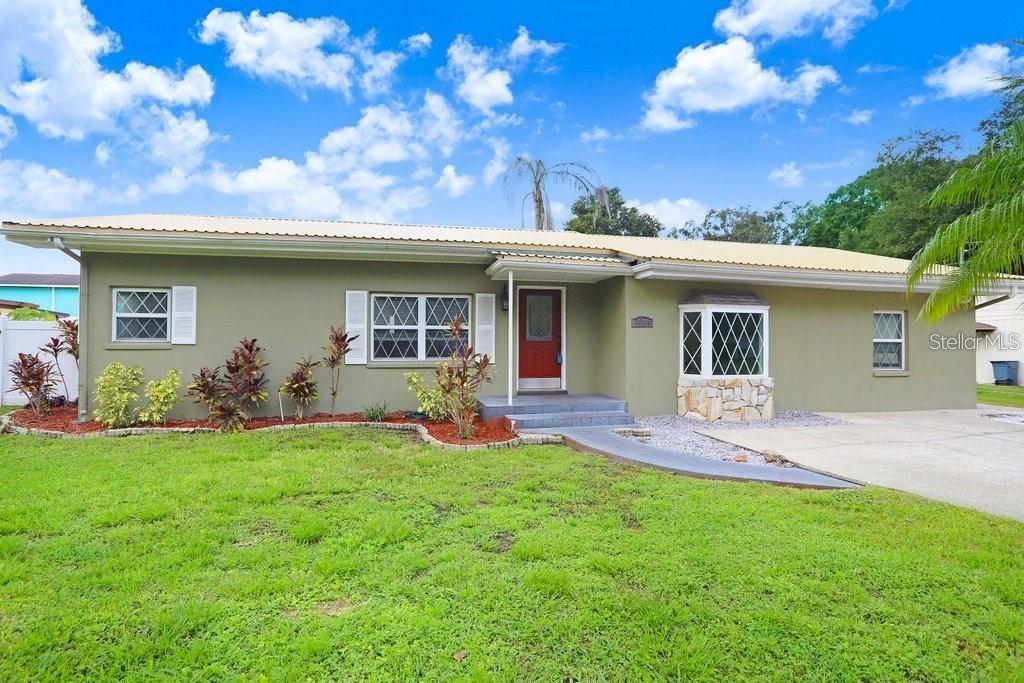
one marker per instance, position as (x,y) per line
(26,337)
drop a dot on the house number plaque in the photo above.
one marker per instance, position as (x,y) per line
(641,321)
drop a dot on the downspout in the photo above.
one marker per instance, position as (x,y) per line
(83,307)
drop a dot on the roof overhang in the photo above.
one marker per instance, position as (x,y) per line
(241,245)
(702,272)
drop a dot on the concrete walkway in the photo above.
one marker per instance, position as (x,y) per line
(604,441)
(962,457)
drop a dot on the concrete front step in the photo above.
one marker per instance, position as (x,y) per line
(569,418)
(497,406)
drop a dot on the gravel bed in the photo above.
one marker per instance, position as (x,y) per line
(678,433)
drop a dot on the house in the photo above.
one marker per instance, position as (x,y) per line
(6,306)
(710,329)
(1000,334)
(49,291)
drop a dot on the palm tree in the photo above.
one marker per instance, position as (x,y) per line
(573,173)
(987,242)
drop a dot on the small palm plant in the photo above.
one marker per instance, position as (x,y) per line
(300,385)
(573,173)
(339,343)
(985,243)
(460,378)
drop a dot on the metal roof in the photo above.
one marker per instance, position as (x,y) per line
(537,242)
(52,279)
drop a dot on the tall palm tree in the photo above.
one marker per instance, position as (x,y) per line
(573,173)
(985,243)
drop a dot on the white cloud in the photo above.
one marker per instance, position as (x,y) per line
(524,47)
(316,52)
(859,117)
(558,210)
(787,175)
(777,19)
(480,85)
(31,187)
(50,71)
(595,134)
(483,77)
(673,213)
(418,43)
(176,143)
(973,72)
(8,130)
(365,170)
(453,184)
(872,68)
(102,153)
(499,161)
(441,124)
(724,77)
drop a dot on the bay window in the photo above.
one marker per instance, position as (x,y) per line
(415,326)
(718,341)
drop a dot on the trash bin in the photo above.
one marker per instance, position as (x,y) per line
(1005,372)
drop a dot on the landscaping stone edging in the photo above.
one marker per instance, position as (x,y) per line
(7,424)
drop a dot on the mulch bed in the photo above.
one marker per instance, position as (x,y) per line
(63,420)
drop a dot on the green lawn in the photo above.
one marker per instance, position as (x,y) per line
(1001,396)
(356,554)
(8,409)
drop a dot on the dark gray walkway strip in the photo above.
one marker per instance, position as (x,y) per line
(604,441)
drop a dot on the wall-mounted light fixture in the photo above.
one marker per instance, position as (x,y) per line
(504,298)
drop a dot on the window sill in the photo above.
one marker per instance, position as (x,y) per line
(891,373)
(138,346)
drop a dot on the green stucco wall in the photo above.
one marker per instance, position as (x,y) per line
(819,351)
(289,305)
(820,340)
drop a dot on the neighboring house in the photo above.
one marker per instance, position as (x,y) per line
(6,306)
(708,328)
(49,291)
(1000,334)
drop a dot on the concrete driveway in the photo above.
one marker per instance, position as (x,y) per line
(964,457)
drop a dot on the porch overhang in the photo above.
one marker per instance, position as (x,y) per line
(556,268)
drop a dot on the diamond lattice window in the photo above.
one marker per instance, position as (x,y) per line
(407,327)
(888,350)
(691,332)
(141,315)
(720,341)
(737,343)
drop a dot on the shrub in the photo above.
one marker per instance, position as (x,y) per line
(162,395)
(227,415)
(376,412)
(33,377)
(246,381)
(207,387)
(117,390)
(68,331)
(300,385)
(25,313)
(339,343)
(54,348)
(431,398)
(461,378)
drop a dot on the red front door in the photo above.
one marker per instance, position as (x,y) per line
(540,335)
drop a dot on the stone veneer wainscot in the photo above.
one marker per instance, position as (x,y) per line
(731,400)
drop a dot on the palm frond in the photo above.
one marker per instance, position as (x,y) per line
(999,173)
(520,167)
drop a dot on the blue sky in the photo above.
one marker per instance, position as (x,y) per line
(408,111)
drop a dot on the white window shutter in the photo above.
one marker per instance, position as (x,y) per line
(355,324)
(483,341)
(183,315)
